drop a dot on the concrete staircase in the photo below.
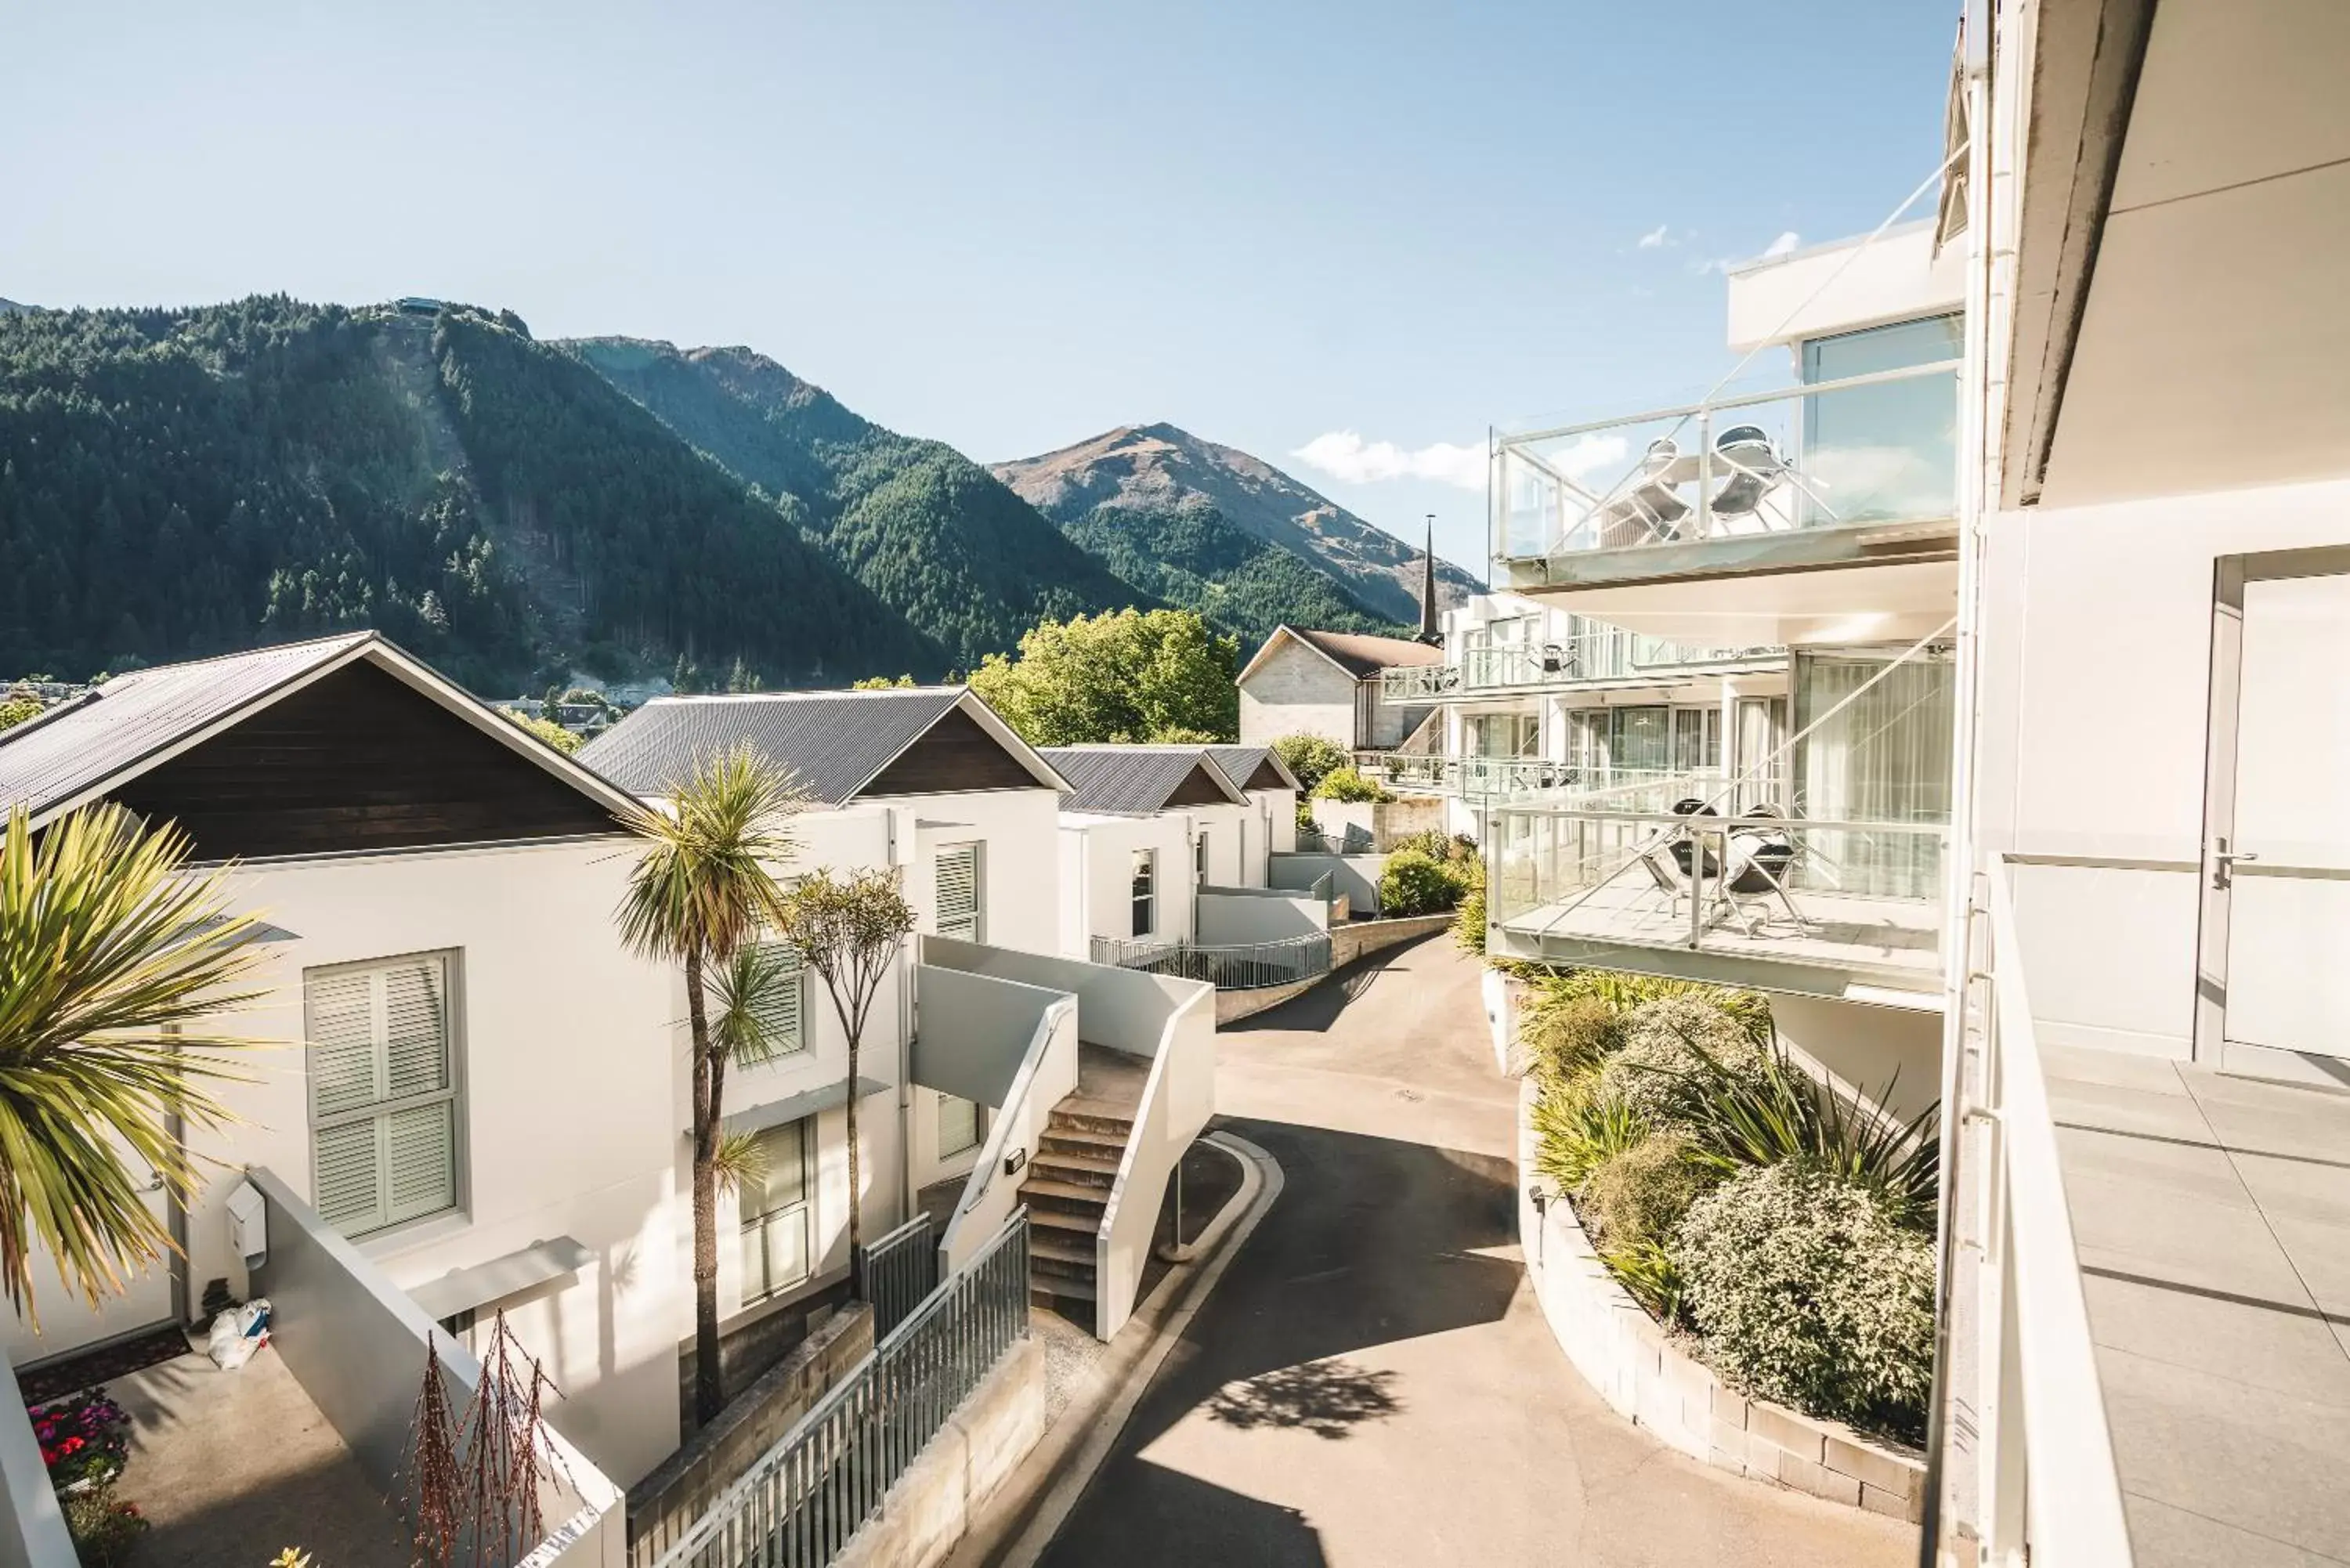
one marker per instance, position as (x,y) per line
(1069,1175)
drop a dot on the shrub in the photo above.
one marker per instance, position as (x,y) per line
(103,1529)
(1469,921)
(1625,992)
(1808,1289)
(1310,757)
(1346,784)
(1453,848)
(1678,1055)
(1561,1037)
(1777,1113)
(83,1438)
(1577,1129)
(1648,1271)
(1413,884)
(1637,1195)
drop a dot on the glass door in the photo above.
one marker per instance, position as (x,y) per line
(2274,995)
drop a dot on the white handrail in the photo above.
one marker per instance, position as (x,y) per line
(1016,1117)
(2073,1502)
(1163,1128)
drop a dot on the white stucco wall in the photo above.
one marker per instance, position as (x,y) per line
(2097,678)
(1098,858)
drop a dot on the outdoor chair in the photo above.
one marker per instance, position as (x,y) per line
(1652,512)
(1688,845)
(1756,469)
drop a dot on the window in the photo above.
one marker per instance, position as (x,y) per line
(1697,739)
(962,1124)
(959,892)
(1145,892)
(1887,451)
(1200,859)
(784,1017)
(383,1092)
(775,1214)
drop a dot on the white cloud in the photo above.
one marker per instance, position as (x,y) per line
(1656,238)
(1587,453)
(1346,457)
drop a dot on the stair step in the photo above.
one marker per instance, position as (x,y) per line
(1045,1195)
(1092,1121)
(1110,1147)
(1044,1246)
(1045,1293)
(1081,1170)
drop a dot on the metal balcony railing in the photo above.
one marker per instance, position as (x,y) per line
(1614,655)
(1859,450)
(1251,966)
(1858,894)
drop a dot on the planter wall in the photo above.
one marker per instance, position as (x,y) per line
(1639,1368)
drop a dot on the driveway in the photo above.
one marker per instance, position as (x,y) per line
(1371,1382)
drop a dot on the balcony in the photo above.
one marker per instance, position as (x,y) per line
(1623,789)
(1600,659)
(1778,487)
(1823,908)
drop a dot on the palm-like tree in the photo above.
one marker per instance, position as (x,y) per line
(114,959)
(697,897)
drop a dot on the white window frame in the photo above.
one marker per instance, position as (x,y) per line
(378,1112)
(978,1126)
(758,1288)
(1200,859)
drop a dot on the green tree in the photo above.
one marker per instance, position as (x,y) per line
(1311,758)
(1345,785)
(546,730)
(880,684)
(1130,676)
(15,711)
(697,897)
(115,961)
(848,929)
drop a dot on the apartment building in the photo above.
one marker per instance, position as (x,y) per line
(1326,683)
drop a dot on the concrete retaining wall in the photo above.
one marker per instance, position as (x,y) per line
(1347,943)
(666,1502)
(928,1511)
(1640,1369)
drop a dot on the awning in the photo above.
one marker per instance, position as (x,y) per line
(792,1108)
(461,1290)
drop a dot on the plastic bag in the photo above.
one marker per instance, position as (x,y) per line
(237,1332)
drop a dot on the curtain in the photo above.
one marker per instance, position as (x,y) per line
(1885,757)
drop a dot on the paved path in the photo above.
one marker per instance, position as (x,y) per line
(1371,1382)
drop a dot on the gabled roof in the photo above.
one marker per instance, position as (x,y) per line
(834,742)
(1360,654)
(1254,767)
(1136,781)
(82,749)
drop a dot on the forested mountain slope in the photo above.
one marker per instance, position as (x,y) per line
(934,535)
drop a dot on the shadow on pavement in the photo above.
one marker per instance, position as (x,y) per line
(1316,1009)
(1324,1397)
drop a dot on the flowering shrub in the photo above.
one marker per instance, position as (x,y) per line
(1660,1073)
(83,1439)
(1810,1289)
(103,1529)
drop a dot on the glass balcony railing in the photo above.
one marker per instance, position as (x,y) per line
(1862,451)
(1858,896)
(1626,789)
(1613,655)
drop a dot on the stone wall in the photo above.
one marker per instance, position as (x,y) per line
(1347,943)
(1645,1374)
(926,1514)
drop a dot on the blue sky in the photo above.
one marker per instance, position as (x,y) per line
(1006,225)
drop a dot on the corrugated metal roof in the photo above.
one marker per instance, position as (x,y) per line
(1240,763)
(1130,781)
(74,749)
(833,741)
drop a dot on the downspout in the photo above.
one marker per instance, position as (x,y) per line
(905,1045)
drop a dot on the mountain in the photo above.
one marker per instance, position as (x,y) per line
(1154,481)
(181,483)
(937,537)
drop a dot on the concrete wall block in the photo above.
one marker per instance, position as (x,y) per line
(1805,1475)
(1721,1434)
(1887,1472)
(1731,1460)
(1789,1430)
(1894,1505)
(1729,1406)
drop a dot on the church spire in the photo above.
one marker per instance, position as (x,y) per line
(1429,632)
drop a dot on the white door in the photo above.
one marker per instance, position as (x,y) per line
(69,1322)
(2273,994)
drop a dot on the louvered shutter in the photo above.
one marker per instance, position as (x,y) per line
(383,1093)
(959,892)
(781,1017)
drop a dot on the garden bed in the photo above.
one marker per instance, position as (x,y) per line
(1735,1254)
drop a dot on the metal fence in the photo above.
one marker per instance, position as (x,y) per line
(897,1272)
(798,1506)
(1251,966)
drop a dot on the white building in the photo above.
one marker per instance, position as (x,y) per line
(478,1107)
(1326,683)
(1143,830)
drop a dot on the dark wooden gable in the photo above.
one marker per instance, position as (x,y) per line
(1267,776)
(954,754)
(1198,788)
(358,760)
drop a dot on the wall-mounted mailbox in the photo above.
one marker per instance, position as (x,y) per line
(248,1223)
